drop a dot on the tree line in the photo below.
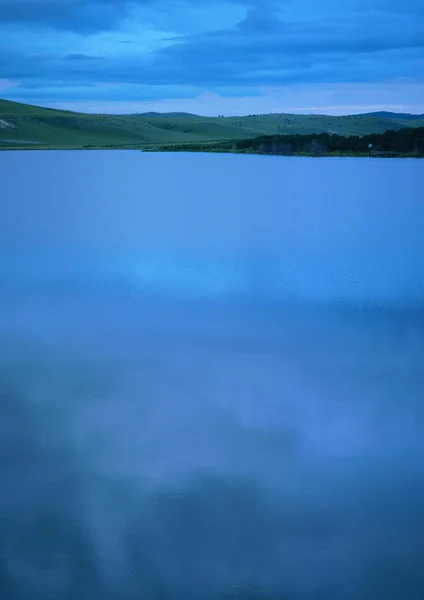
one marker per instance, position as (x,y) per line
(403,141)
(408,142)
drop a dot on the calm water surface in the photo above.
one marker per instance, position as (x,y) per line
(211,377)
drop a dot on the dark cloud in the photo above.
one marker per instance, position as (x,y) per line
(261,18)
(81,57)
(390,6)
(83,16)
(276,43)
(87,16)
(266,48)
(69,15)
(262,39)
(286,54)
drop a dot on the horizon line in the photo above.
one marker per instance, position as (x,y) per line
(182,112)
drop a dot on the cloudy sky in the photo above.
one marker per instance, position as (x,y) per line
(214,56)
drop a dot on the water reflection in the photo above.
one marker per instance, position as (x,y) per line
(213,402)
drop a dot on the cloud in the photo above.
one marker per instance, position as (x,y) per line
(6,84)
(213,47)
(90,16)
(81,57)
(302,54)
(260,18)
(77,15)
(265,50)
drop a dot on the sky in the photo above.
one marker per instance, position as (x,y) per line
(214,56)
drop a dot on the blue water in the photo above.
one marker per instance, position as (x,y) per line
(210,224)
(211,377)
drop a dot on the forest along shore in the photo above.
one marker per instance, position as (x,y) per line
(408,142)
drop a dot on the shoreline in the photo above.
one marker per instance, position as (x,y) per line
(58,148)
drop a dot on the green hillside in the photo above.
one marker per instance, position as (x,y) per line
(27,126)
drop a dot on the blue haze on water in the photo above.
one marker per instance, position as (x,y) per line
(211,377)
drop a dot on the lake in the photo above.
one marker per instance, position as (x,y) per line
(211,376)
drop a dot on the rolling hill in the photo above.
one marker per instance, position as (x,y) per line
(393,115)
(27,126)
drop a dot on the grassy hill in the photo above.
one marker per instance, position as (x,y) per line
(27,126)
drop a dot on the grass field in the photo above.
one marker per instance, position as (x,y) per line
(27,126)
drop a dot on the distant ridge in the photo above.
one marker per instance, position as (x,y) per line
(393,115)
(170,115)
